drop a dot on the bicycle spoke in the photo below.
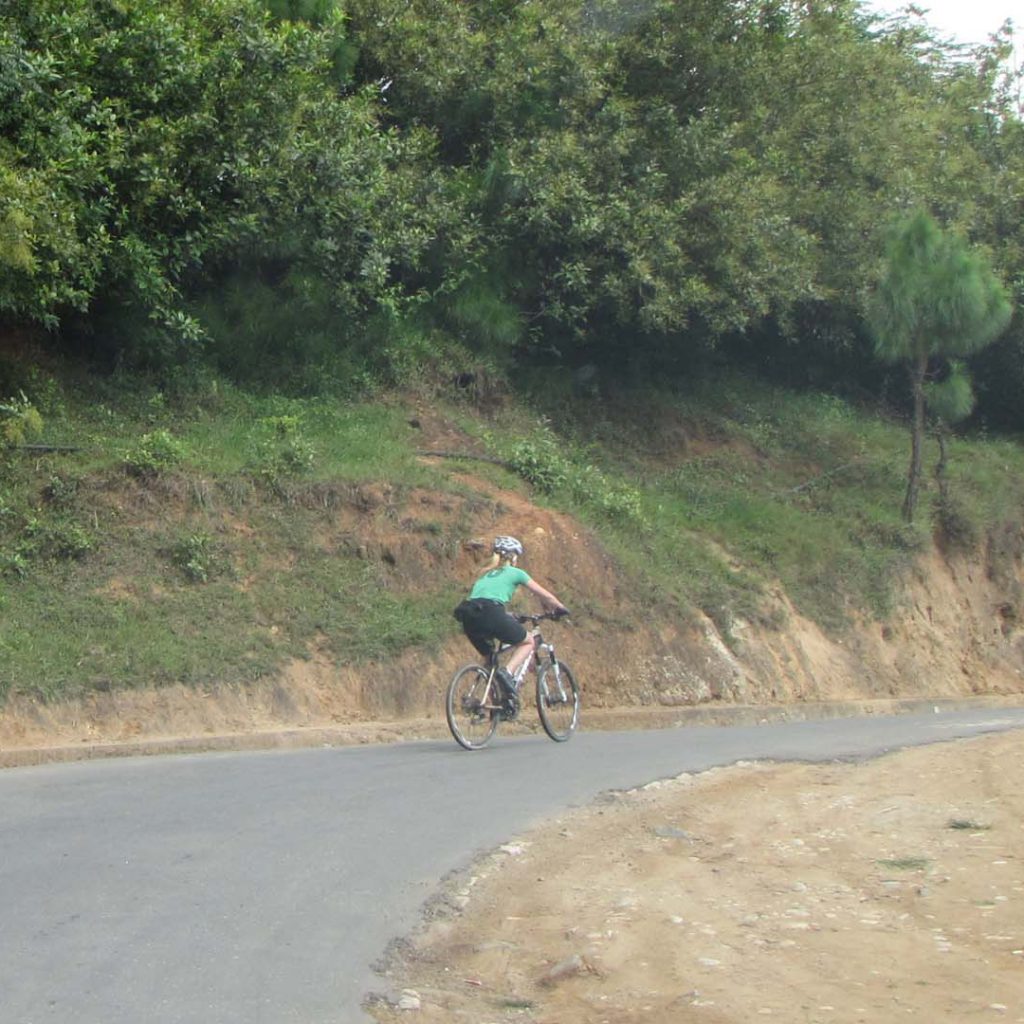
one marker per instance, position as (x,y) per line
(471,712)
(558,701)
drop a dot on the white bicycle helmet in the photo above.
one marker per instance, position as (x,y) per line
(507,546)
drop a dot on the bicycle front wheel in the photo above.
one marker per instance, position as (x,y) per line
(558,700)
(471,712)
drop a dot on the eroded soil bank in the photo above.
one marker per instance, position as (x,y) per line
(956,634)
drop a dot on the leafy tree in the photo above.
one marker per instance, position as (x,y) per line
(999,221)
(150,150)
(287,187)
(936,300)
(670,172)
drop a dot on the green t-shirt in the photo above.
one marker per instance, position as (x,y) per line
(499,584)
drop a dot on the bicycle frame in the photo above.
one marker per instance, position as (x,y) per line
(539,646)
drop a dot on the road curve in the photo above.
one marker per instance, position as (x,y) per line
(259,888)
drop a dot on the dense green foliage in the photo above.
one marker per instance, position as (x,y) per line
(316,194)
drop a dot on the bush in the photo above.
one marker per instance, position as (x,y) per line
(61,492)
(198,558)
(44,540)
(544,463)
(19,420)
(155,453)
(282,451)
(540,462)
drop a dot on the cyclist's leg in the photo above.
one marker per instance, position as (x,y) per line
(478,632)
(519,654)
(483,643)
(511,631)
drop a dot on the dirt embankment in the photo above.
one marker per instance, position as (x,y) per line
(957,633)
(886,891)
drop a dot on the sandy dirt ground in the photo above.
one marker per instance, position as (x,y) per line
(884,891)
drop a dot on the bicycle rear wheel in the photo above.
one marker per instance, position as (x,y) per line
(471,710)
(558,700)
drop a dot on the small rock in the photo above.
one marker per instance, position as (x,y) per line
(671,832)
(409,1000)
(563,969)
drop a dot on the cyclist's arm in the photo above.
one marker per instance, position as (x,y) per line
(547,599)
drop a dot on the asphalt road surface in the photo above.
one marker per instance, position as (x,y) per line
(259,888)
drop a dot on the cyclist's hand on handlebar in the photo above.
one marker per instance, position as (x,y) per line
(558,613)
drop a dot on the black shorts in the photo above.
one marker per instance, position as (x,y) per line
(484,621)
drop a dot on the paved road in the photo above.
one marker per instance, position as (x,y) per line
(259,888)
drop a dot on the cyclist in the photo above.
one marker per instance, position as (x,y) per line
(484,617)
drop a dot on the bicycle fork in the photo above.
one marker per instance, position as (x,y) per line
(554,672)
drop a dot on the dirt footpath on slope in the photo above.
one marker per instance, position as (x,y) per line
(886,891)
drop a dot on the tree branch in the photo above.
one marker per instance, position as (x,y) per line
(466,455)
(35,449)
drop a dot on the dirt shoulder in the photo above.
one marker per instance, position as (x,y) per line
(48,745)
(882,891)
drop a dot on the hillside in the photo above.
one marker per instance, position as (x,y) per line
(207,596)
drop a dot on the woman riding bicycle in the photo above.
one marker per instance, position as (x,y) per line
(484,617)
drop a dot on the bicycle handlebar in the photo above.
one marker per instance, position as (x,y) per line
(535,619)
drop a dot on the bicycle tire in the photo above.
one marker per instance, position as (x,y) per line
(472,719)
(558,700)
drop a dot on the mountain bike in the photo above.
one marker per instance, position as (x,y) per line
(477,700)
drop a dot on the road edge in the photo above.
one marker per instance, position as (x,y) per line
(410,730)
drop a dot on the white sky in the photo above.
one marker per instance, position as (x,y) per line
(966,21)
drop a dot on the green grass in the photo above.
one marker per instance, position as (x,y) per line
(352,442)
(133,616)
(803,489)
(111,582)
(830,549)
(63,646)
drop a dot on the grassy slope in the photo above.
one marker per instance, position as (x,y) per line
(270,529)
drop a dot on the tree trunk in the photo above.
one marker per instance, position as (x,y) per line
(917,372)
(940,466)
